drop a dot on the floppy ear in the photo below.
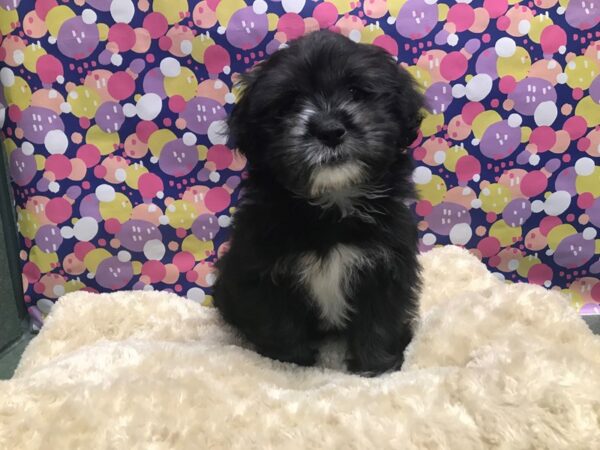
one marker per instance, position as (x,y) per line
(239,122)
(410,103)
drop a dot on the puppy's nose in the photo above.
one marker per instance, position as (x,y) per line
(329,131)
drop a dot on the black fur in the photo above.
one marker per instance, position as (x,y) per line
(346,88)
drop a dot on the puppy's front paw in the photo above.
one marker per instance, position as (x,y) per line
(300,355)
(373,366)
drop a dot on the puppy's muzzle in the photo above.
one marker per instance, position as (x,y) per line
(328,130)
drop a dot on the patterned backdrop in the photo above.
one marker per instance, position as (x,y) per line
(112,112)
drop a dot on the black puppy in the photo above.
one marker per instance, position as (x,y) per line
(323,238)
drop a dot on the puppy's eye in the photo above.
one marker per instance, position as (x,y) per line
(356,92)
(291,98)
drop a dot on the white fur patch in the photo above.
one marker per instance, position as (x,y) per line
(328,280)
(302,121)
(326,179)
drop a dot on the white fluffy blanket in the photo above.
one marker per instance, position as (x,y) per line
(492,366)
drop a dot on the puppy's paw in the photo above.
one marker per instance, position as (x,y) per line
(374,366)
(300,355)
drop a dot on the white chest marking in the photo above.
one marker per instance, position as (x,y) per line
(328,280)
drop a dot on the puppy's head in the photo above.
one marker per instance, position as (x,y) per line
(325,113)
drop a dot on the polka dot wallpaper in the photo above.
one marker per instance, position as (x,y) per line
(113,111)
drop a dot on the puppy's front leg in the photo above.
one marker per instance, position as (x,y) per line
(379,331)
(285,332)
(273,317)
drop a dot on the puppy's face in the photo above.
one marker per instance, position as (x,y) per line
(325,114)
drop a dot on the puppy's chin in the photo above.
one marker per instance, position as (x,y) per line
(335,177)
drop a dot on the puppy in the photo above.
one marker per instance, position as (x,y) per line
(323,239)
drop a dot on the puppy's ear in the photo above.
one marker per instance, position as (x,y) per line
(409,102)
(240,121)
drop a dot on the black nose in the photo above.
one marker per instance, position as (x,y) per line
(329,131)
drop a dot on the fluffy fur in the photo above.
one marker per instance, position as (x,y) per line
(491,366)
(323,239)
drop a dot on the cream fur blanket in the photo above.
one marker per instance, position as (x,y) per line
(492,366)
